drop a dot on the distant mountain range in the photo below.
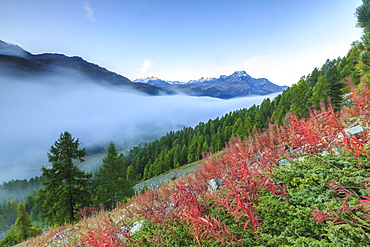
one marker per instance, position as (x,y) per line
(17,62)
(237,84)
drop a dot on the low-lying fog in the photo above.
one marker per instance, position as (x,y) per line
(33,113)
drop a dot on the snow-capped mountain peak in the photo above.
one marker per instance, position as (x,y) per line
(241,73)
(237,84)
(145,79)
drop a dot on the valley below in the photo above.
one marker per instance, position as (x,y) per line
(38,110)
(46,94)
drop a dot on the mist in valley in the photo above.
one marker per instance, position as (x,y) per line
(34,111)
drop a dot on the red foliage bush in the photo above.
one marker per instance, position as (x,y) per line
(244,169)
(104,232)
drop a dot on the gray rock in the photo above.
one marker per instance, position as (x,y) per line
(136,226)
(302,158)
(214,184)
(284,162)
(355,130)
(125,229)
(121,219)
(348,102)
(337,151)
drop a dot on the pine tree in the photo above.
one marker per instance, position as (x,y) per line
(335,85)
(10,239)
(2,223)
(130,174)
(363,15)
(112,179)
(23,223)
(21,230)
(363,21)
(65,186)
(192,151)
(313,77)
(176,155)
(320,92)
(300,101)
(183,157)
(10,212)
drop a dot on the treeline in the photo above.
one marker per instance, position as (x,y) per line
(19,189)
(187,145)
(54,205)
(181,147)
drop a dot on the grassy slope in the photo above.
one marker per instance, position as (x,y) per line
(318,199)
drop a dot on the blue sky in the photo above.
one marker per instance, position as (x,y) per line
(185,39)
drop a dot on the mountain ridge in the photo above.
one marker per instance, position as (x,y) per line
(18,62)
(14,61)
(238,84)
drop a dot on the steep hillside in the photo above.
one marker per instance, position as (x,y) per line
(302,183)
(290,175)
(187,145)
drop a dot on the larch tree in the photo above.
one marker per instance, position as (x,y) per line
(23,223)
(10,212)
(21,230)
(113,185)
(320,92)
(2,223)
(65,185)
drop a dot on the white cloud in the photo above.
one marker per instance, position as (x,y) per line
(147,64)
(39,109)
(89,12)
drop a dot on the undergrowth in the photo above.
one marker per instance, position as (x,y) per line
(319,195)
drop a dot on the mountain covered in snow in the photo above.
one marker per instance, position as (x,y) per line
(237,84)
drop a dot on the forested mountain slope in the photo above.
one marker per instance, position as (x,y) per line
(187,145)
(301,183)
(288,176)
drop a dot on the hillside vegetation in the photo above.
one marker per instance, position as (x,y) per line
(302,183)
(289,175)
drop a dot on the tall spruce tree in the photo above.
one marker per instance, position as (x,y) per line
(65,186)
(113,185)
(335,85)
